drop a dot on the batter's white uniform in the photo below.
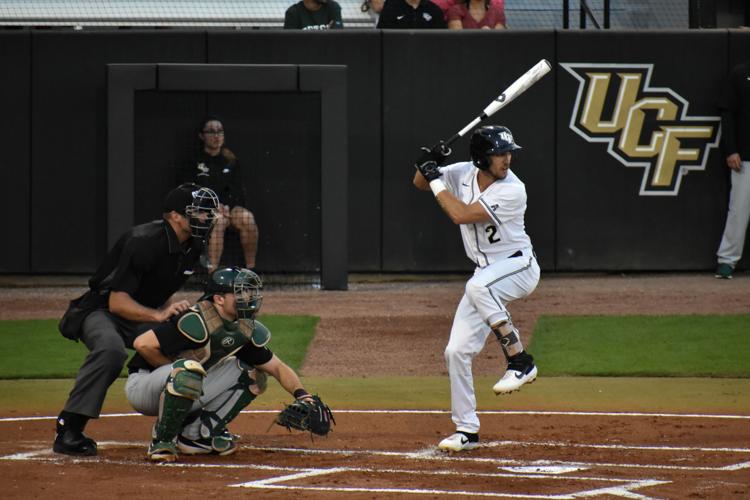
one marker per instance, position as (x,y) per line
(506,270)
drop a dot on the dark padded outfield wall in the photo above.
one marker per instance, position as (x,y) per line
(360,52)
(433,85)
(650,214)
(276,137)
(15,167)
(661,206)
(69,136)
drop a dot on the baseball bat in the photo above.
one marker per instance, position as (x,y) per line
(515,89)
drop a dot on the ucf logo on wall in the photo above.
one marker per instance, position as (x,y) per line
(643,125)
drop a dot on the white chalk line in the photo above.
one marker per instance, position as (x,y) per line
(272,483)
(493,444)
(624,489)
(431,454)
(447,412)
(492,460)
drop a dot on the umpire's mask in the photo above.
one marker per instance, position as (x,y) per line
(202,212)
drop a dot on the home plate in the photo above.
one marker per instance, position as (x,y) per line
(542,469)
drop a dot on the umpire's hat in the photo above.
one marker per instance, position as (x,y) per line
(179,198)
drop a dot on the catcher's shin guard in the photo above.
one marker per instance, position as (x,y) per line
(508,337)
(217,414)
(184,386)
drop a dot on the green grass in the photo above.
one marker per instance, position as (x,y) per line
(290,336)
(35,349)
(653,346)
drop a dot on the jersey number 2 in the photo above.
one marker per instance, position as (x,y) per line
(491,234)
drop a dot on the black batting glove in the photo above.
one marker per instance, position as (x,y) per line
(429,170)
(437,153)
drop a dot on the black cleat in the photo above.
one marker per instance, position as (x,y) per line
(77,444)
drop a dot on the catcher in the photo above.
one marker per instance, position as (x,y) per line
(197,371)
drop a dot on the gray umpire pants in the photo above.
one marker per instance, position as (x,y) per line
(107,337)
(733,240)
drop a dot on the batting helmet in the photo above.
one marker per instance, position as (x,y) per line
(245,284)
(490,140)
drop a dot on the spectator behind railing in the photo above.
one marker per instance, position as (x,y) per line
(313,15)
(445,5)
(476,14)
(374,7)
(411,14)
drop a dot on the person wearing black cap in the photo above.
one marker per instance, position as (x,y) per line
(131,289)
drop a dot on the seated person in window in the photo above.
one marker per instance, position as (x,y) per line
(216,167)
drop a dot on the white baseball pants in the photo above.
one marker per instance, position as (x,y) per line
(484,303)
(733,240)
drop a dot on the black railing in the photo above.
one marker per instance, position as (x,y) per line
(584,13)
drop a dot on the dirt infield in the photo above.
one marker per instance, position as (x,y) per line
(377,455)
(401,329)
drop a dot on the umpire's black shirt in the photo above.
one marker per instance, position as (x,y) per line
(148,263)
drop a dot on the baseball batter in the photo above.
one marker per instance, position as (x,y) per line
(199,370)
(488,201)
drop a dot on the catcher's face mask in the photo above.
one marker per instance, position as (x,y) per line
(202,212)
(247,286)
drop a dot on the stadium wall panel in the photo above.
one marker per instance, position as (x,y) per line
(612,211)
(69,136)
(15,142)
(360,51)
(588,208)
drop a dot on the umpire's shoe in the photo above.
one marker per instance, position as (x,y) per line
(460,441)
(76,443)
(521,370)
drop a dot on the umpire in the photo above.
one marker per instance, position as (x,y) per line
(130,290)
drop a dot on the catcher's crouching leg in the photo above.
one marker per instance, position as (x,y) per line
(208,433)
(184,386)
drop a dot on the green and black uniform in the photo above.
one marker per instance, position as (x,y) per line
(327,17)
(227,351)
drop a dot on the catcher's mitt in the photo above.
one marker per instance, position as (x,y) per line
(307,414)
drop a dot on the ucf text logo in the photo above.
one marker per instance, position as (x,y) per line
(643,126)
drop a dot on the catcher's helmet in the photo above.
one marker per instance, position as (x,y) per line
(245,284)
(490,140)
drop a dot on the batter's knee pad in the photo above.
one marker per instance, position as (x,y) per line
(184,385)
